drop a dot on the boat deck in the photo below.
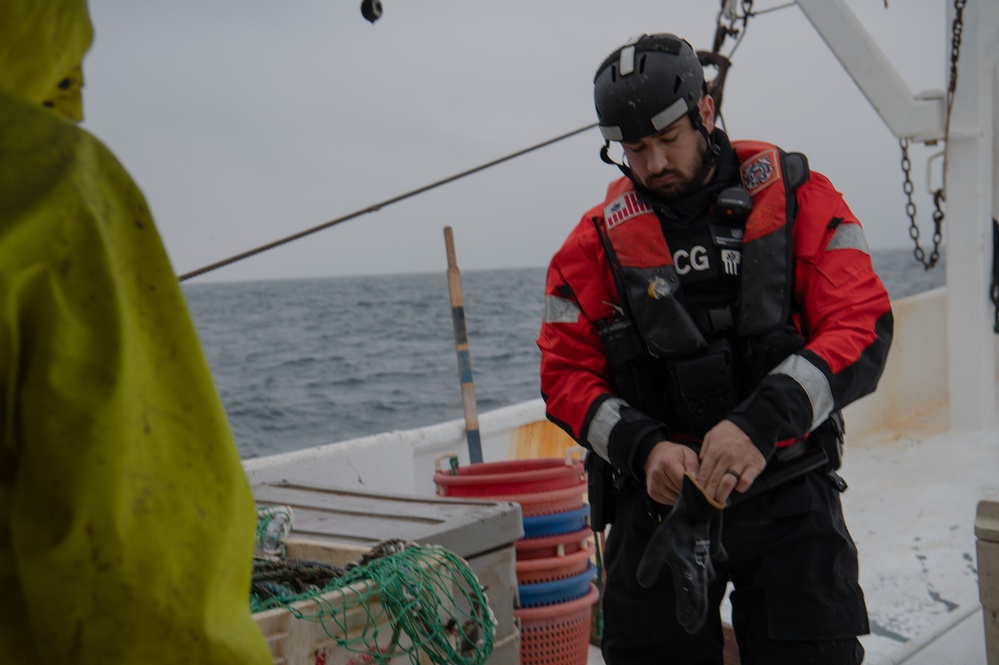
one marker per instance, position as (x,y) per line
(914,493)
(911,505)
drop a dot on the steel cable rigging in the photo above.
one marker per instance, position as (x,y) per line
(378,206)
(729,12)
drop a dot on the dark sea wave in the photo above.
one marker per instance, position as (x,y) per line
(300,363)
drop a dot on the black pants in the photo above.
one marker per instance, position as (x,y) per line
(792,563)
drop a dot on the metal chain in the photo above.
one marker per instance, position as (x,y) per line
(939,196)
(994,286)
(714,58)
(910,210)
(955,55)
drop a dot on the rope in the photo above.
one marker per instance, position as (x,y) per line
(378,206)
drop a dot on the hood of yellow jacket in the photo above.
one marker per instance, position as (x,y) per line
(42,44)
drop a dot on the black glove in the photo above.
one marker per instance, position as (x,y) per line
(687,540)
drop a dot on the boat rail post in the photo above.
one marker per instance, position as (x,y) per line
(987,531)
(968,181)
(462,349)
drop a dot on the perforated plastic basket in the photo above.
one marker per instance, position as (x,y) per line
(548,546)
(556,634)
(557,567)
(550,502)
(557,591)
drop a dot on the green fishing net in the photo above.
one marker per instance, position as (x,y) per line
(399,600)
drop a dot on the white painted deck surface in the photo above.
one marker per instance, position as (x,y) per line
(914,490)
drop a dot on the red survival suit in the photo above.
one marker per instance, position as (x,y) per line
(804,263)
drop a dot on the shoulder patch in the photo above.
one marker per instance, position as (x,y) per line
(623,208)
(761,170)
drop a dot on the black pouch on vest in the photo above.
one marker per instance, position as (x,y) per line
(622,343)
(701,388)
(830,436)
(601,491)
(625,349)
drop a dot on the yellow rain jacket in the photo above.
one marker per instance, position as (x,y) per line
(126,523)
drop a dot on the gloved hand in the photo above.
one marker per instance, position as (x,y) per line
(687,540)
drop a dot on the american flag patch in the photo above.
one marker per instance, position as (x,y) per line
(623,208)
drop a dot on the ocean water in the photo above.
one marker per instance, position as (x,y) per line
(301,363)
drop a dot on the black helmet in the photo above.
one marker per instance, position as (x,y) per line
(646,85)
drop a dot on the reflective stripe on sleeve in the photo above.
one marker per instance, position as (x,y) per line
(849,236)
(560,310)
(607,416)
(813,382)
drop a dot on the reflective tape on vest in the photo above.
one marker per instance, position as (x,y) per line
(607,416)
(813,382)
(849,236)
(560,310)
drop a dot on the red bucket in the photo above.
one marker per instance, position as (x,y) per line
(510,478)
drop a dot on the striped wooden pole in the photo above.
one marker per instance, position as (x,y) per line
(461,347)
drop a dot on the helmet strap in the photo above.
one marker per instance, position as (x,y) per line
(605,153)
(607,159)
(695,117)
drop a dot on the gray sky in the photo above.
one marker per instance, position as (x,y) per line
(247,121)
